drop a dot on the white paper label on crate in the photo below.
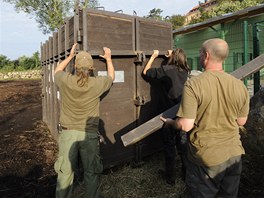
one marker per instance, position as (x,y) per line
(119,76)
(58,95)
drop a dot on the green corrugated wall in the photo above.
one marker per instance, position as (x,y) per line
(233,32)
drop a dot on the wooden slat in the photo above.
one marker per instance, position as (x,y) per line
(148,127)
(125,52)
(155,123)
(249,68)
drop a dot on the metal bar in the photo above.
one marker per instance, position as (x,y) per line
(223,34)
(255,54)
(245,34)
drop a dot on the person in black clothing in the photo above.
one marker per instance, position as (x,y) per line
(171,78)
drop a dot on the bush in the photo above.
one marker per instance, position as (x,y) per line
(23,63)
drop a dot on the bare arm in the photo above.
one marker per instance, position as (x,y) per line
(169,53)
(151,60)
(183,124)
(66,61)
(241,121)
(109,63)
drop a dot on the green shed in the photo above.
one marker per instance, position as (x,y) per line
(243,30)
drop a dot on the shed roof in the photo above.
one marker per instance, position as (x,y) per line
(248,12)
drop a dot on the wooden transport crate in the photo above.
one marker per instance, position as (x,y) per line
(130,102)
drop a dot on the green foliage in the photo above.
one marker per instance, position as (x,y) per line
(49,14)
(26,62)
(23,63)
(4,61)
(155,13)
(6,64)
(89,4)
(224,7)
(176,21)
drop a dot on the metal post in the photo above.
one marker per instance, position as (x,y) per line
(245,58)
(223,33)
(256,54)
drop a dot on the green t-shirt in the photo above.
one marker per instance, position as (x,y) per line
(80,105)
(215,100)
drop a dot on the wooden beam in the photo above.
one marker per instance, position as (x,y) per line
(148,127)
(155,123)
(249,68)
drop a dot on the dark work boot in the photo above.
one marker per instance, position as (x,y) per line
(168,178)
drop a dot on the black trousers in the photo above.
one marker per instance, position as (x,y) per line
(173,141)
(216,181)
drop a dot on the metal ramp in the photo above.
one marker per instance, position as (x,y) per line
(155,123)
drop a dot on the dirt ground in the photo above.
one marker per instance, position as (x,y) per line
(28,151)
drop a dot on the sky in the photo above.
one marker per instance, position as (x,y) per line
(20,35)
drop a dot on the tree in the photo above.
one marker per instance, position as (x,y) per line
(176,21)
(36,59)
(49,14)
(22,63)
(4,61)
(26,62)
(90,4)
(225,6)
(155,13)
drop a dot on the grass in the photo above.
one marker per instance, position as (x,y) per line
(126,181)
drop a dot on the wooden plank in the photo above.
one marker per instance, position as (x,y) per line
(148,127)
(67,38)
(119,32)
(249,68)
(126,52)
(155,123)
(51,49)
(55,45)
(154,36)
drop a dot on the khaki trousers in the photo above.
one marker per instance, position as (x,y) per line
(87,144)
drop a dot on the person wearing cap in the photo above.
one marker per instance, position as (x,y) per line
(79,119)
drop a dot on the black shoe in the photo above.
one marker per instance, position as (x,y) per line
(168,180)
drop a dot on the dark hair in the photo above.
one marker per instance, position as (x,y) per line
(83,73)
(179,59)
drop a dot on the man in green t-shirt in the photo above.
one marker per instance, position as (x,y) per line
(79,119)
(214,105)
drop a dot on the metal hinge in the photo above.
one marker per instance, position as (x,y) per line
(139,101)
(141,57)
